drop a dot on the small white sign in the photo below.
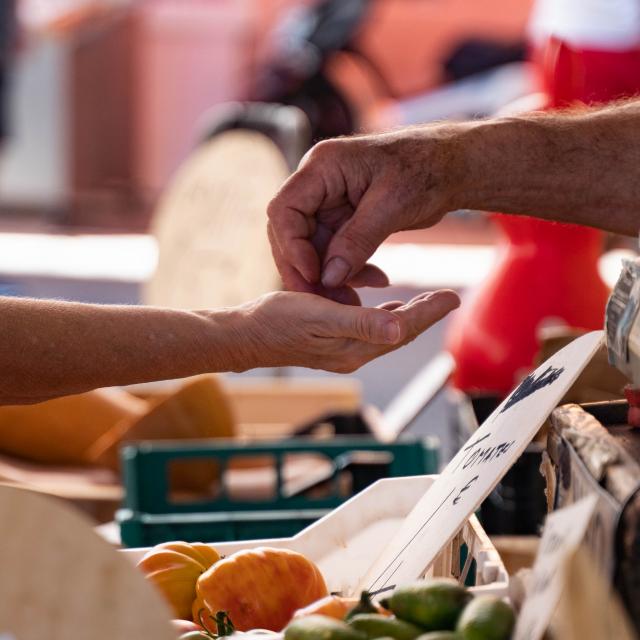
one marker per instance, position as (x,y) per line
(563,533)
(476,469)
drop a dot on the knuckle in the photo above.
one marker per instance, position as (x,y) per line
(273,210)
(323,147)
(360,242)
(325,150)
(360,327)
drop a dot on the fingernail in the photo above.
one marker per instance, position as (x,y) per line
(335,272)
(445,293)
(391,332)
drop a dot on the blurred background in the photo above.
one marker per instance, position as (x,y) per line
(106,99)
(142,140)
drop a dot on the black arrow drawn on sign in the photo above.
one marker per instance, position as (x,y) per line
(531,384)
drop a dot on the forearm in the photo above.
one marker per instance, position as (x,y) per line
(582,168)
(52,348)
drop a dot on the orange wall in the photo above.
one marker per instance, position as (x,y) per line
(408,38)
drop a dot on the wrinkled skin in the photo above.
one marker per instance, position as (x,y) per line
(349,194)
(347,197)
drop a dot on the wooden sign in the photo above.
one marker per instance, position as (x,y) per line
(478,467)
(563,533)
(588,607)
(211,225)
(60,581)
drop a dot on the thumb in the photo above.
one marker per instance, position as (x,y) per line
(355,242)
(375,326)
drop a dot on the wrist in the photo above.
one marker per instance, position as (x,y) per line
(500,162)
(450,164)
(476,149)
(426,166)
(231,345)
(443,160)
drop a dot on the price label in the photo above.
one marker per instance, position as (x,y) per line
(563,532)
(476,469)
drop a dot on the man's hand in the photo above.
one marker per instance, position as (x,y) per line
(349,195)
(297,329)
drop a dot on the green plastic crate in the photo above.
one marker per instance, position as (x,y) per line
(149,515)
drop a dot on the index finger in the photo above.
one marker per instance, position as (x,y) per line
(292,221)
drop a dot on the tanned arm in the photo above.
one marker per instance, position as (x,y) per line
(52,348)
(581,167)
(350,194)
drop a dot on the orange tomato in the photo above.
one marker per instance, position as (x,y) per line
(174,568)
(259,588)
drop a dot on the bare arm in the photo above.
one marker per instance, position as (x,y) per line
(581,167)
(52,348)
(352,193)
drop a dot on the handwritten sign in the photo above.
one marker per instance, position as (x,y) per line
(563,532)
(478,467)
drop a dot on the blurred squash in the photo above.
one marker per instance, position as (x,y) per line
(174,568)
(199,409)
(61,431)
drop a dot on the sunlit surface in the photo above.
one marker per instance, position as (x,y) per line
(101,257)
(133,257)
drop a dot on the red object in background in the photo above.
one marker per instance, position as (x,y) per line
(632,394)
(586,75)
(546,270)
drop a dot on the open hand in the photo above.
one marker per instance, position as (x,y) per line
(298,329)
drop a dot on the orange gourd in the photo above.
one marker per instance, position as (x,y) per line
(174,568)
(199,409)
(332,606)
(338,607)
(260,588)
(61,431)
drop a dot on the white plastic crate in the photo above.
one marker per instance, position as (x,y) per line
(346,542)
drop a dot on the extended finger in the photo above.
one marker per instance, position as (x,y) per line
(392,305)
(370,276)
(414,319)
(366,325)
(420,315)
(420,296)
